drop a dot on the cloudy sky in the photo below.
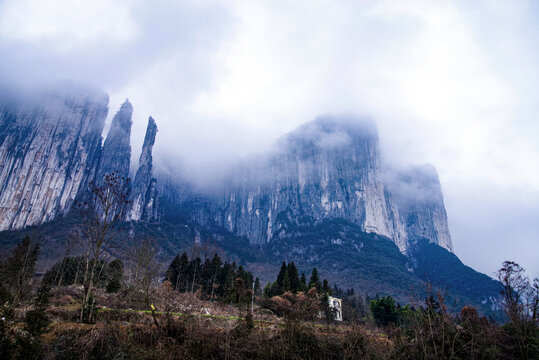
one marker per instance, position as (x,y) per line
(453,83)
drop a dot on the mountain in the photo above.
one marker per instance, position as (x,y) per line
(117,147)
(144,195)
(50,148)
(323,197)
(327,169)
(51,151)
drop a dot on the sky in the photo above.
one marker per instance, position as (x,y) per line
(452,83)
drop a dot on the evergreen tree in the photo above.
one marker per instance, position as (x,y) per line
(325,288)
(257,287)
(281,276)
(384,310)
(18,270)
(303,281)
(286,282)
(115,273)
(172,272)
(315,280)
(295,283)
(36,321)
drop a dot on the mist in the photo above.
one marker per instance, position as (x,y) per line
(452,84)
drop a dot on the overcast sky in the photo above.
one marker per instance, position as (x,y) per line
(453,83)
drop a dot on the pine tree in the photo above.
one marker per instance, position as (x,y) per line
(295,284)
(326,288)
(115,274)
(303,281)
(281,275)
(36,321)
(315,280)
(172,272)
(286,282)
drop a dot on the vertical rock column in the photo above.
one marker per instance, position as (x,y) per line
(116,155)
(143,194)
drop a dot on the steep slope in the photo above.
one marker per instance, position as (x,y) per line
(418,195)
(144,193)
(117,146)
(50,147)
(326,169)
(463,284)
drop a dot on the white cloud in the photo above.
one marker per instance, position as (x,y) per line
(65,25)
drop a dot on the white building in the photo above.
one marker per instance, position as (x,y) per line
(336,305)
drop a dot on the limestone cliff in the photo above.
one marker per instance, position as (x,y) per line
(117,147)
(50,148)
(144,192)
(330,168)
(418,194)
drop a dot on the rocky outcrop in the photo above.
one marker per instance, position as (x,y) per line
(144,193)
(326,169)
(117,147)
(418,195)
(50,148)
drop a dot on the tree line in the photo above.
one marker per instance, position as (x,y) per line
(211,277)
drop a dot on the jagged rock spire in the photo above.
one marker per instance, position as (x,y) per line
(116,154)
(143,195)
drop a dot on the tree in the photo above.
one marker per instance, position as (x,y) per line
(384,311)
(520,305)
(296,307)
(325,287)
(295,283)
(303,281)
(36,321)
(144,270)
(515,286)
(281,277)
(115,273)
(100,214)
(19,268)
(257,287)
(315,280)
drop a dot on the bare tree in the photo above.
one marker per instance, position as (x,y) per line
(100,214)
(17,271)
(69,243)
(534,300)
(515,286)
(144,269)
(520,299)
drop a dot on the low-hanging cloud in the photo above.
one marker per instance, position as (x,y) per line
(454,84)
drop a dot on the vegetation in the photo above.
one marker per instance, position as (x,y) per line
(104,302)
(212,278)
(190,315)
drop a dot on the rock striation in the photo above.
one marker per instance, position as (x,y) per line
(117,147)
(330,168)
(418,195)
(144,192)
(50,148)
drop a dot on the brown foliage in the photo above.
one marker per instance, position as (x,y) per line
(300,306)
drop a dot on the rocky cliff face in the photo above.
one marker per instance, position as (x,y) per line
(50,148)
(117,147)
(418,195)
(325,169)
(144,192)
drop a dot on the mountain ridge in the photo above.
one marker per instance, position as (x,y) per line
(323,199)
